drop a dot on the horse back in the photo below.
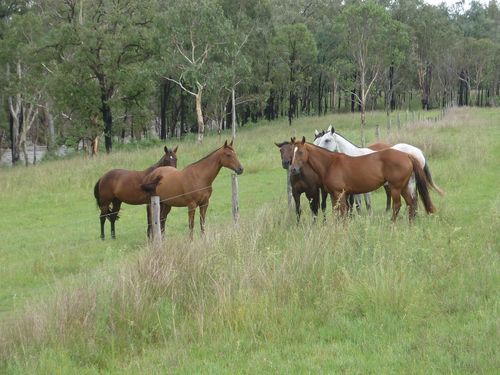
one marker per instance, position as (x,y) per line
(379,146)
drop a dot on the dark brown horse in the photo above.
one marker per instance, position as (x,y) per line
(342,174)
(307,182)
(122,185)
(192,186)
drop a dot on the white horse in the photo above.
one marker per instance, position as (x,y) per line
(335,142)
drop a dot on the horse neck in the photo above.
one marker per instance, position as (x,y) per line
(319,159)
(346,147)
(152,168)
(206,169)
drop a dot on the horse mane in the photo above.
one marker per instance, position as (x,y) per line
(347,139)
(207,156)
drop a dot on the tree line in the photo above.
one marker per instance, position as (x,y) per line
(82,69)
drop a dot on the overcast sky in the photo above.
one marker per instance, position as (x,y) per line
(451,2)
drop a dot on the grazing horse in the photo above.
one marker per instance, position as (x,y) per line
(121,185)
(192,186)
(342,174)
(307,182)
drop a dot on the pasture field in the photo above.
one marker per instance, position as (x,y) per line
(267,295)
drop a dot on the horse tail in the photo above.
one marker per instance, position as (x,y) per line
(96,193)
(422,185)
(431,182)
(150,183)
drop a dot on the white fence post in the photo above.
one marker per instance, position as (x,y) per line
(236,208)
(155,220)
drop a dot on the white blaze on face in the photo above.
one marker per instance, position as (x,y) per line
(294,152)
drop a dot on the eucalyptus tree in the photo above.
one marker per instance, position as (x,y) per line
(296,53)
(24,82)
(101,46)
(190,40)
(366,28)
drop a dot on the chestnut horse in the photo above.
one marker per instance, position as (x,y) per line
(122,185)
(307,182)
(354,199)
(192,186)
(342,174)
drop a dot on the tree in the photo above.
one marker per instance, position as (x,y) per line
(103,45)
(194,34)
(295,51)
(366,29)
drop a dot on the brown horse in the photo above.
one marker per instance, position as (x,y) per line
(342,174)
(122,185)
(354,199)
(307,182)
(192,186)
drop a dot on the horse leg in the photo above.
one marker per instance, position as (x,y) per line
(324,195)
(296,199)
(113,216)
(368,202)
(314,205)
(388,196)
(102,219)
(164,211)
(410,202)
(203,211)
(191,212)
(357,200)
(339,203)
(396,202)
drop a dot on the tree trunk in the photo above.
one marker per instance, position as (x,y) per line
(233,114)
(165,93)
(199,116)
(183,113)
(320,95)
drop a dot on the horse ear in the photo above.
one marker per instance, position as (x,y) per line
(175,149)
(332,129)
(303,139)
(316,132)
(231,144)
(329,128)
(292,139)
(278,144)
(225,144)
(166,149)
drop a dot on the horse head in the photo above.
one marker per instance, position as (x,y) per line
(317,135)
(170,157)
(229,159)
(328,140)
(286,150)
(300,156)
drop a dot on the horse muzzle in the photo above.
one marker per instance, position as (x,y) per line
(295,169)
(285,164)
(239,170)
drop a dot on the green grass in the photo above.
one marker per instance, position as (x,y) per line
(266,296)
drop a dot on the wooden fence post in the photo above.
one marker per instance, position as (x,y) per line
(155,220)
(377,132)
(399,122)
(389,123)
(236,208)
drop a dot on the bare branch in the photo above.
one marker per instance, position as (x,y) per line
(180,85)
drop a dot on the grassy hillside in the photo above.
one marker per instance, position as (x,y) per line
(266,295)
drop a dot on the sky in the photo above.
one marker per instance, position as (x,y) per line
(451,2)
